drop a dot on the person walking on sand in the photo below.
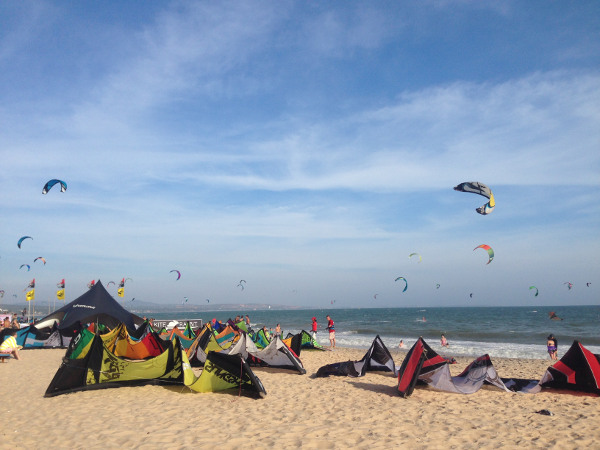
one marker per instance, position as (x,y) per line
(314,328)
(331,329)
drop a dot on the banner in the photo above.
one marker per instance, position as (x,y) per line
(30,295)
(60,294)
(169,324)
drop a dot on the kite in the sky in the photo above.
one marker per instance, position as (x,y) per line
(207,301)
(536,290)
(375,296)
(471,295)
(476,187)
(125,280)
(177,272)
(20,241)
(588,284)
(406,283)
(25,265)
(569,285)
(49,184)
(241,285)
(437,285)
(41,259)
(185,300)
(488,249)
(416,254)
(108,284)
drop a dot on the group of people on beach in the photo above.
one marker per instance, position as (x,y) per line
(330,329)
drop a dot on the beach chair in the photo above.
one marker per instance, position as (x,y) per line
(3,356)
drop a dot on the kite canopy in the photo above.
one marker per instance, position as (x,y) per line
(476,187)
(488,249)
(416,254)
(536,290)
(578,369)
(20,241)
(177,272)
(406,283)
(96,305)
(377,358)
(51,183)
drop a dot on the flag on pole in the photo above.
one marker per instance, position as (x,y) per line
(30,295)
(60,294)
(121,289)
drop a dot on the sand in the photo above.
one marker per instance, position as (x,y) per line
(299,411)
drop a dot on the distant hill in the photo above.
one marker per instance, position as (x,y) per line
(43,307)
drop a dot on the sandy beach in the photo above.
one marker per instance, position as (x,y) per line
(299,411)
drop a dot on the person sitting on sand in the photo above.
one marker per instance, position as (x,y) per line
(444,342)
(10,345)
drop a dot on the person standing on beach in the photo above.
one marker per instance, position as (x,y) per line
(331,329)
(444,342)
(314,328)
(552,345)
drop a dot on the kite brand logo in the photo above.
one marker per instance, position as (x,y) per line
(84,306)
(220,373)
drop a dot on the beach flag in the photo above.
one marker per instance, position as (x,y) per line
(60,294)
(30,295)
(121,289)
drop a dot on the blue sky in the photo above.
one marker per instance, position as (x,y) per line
(306,147)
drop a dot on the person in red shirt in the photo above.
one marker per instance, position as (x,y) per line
(314,328)
(331,329)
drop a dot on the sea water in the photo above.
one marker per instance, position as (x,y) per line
(511,332)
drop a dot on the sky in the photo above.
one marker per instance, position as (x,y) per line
(305,147)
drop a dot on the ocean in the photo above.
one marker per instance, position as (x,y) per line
(511,332)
